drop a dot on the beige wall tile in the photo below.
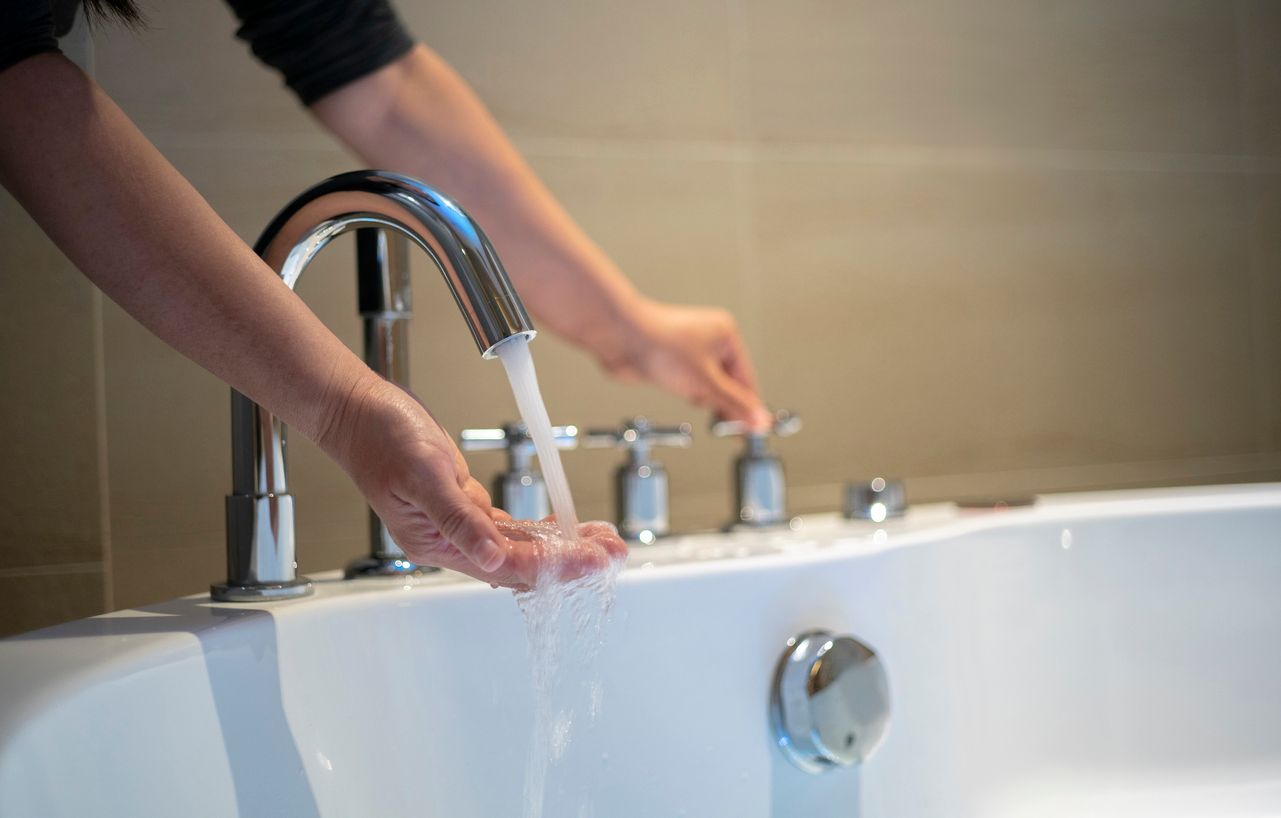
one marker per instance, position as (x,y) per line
(168,453)
(1149,76)
(187,71)
(1260,26)
(577,68)
(50,510)
(146,576)
(1265,301)
(30,601)
(600,68)
(935,321)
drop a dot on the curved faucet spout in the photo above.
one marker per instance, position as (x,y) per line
(260,528)
(372,198)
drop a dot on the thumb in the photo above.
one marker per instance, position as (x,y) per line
(466,525)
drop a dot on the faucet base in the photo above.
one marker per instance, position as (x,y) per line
(265,592)
(759,525)
(385,567)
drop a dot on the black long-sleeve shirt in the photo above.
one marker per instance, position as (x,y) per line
(318,46)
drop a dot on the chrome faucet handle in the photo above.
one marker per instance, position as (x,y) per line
(875,499)
(512,436)
(641,502)
(637,434)
(760,492)
(785,424)
(520,490)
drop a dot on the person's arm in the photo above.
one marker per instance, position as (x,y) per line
(128,220)
(418,117)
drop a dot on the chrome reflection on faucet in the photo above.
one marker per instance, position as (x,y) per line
(641,496)
(521,490)
(830,702)
(260,513)
(760,492)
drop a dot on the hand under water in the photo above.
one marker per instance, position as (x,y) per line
(540,553)
(416,480)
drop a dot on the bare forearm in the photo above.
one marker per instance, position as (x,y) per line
(418,117)
(139,231)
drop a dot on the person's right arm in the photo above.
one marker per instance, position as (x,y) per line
(127,219)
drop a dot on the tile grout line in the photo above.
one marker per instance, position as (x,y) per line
(739,69)
(100,415)
(1259,351)
(743,148)
(742,157)
(1137,473)
(90,66)
(908,156)
(51,570)
(100,433)
(1245,88)
(806,498)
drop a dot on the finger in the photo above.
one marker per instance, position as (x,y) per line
(605,536)
(594,548)
(737,363)
(461,519)
(474,490)
(739,367)
(519,570)
(481,497)
(731,399)
(735,358)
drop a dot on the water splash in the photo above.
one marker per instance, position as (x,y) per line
(565,622)
(565,610)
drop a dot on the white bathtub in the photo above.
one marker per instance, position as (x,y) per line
(1108,654)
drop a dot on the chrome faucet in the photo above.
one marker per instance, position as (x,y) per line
(760,492)
(521,490)
(260,509)
(641,498)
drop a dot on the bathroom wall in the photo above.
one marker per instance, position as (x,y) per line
(54,544)
(992,247)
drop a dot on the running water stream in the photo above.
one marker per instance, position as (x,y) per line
(564,618)
(514,353)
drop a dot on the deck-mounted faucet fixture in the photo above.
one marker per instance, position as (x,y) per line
(760,493)
(521,490)
(641,498)
(260,512)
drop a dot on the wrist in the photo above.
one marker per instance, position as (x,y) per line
(349,400)
(617,335)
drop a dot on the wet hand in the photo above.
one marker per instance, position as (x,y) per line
(417,481)
(541,552)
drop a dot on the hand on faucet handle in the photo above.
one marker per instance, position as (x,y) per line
(695,352)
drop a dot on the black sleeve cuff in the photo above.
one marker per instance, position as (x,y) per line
(26,29)
(319,46)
